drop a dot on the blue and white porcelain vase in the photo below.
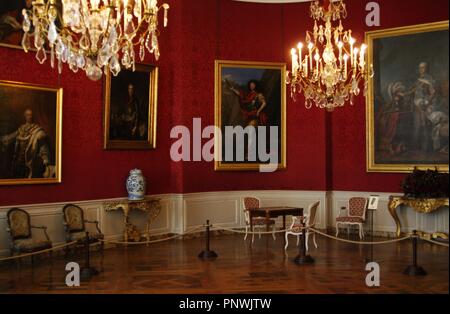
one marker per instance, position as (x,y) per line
(136,185)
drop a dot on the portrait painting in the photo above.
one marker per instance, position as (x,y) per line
(30,134)
(408,101)
(250,94)
(130,109)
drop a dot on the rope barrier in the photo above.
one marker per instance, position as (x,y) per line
(218,228)
(318,232)
(194,230)
(435,242)
(360,242)
(39,252)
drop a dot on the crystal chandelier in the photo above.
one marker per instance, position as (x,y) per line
(330,68)
(92,35)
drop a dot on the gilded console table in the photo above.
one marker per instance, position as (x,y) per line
(151,206)
(421,205)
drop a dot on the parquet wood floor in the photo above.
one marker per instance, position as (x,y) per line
(173,268)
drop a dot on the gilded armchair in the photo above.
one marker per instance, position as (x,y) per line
(20,231)
(75,226)
(309,220)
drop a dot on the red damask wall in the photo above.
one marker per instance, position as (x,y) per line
(325,151)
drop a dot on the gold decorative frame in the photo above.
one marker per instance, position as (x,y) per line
(150,143)
(370,99)
(58,136)
(219,65)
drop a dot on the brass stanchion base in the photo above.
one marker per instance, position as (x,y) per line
(87,273)
(413,270)
(206,255)
(302,260)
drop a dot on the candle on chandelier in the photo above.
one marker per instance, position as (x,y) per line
(346,68)
(300,48)
(352,42)
(362,62)
(294,61)
(306,66)
(317,58)
(340,46)
(125,14)
(310,47)
(355,57)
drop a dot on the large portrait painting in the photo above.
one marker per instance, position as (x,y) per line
(130,108)
(250,94)
(30,134)
(408,103)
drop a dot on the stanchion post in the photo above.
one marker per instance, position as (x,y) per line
(207,253)
(302,258)
(87,272)
(414,269)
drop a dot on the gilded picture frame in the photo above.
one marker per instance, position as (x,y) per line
(240,74)
(130,114)
(407,101)
(30,134)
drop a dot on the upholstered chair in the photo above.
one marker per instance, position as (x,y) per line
(75,226)
(309,220)
(356,215)
(259,223)
(20,231)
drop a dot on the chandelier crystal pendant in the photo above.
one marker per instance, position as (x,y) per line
(329,67)
(95,36)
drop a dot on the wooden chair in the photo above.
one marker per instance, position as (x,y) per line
(308,220)
(259,223)
(20,231)
(357,207)
(74,225)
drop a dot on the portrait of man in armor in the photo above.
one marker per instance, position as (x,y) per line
(251,96)
(29,134)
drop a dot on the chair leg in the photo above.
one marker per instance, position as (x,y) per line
(362,231)
(259,234)
(314,240)
(307,240)
(246,233)
(273,232)
(337,229)
(253,237)
(298,240)
(348,230)
(286,239)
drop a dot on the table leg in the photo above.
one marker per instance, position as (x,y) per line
(393,204)
(148,232)
(125,217)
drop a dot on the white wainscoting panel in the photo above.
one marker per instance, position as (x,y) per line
(383,221)
(181,212)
